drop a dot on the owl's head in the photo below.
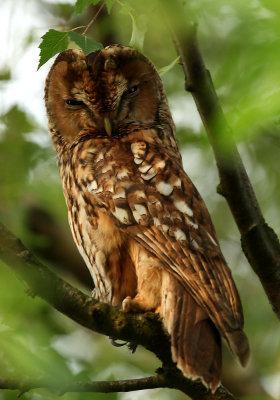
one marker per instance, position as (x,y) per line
(109,92)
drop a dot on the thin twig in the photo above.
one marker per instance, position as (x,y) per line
(93,19)
(78,27)
(151,382)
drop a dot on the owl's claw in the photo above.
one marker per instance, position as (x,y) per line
(115,343)
(131,346)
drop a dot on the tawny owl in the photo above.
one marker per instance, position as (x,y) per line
(137,219)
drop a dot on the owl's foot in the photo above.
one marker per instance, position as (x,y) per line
(131,346)
(127,304)
(137,305)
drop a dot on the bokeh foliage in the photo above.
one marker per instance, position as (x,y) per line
(240,42)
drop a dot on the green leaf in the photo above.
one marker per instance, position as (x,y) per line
(53,42)
(86,44)
(81,5)
(126,9)
(168,67)
(139,28)
(109,5)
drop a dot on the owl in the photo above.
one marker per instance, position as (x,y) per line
(136,217)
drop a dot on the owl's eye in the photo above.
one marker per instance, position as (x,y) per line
(71,102)
(131,90)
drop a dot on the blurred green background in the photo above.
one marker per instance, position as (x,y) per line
(240,42)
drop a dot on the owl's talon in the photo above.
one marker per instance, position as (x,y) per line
(135,305)
(131,346)
(126,304)
(117,344)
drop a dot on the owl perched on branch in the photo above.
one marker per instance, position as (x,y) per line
(137,219)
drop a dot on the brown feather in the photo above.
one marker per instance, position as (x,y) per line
(195,342)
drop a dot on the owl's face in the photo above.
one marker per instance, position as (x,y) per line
(106,91)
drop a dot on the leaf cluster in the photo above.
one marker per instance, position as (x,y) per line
(55,42)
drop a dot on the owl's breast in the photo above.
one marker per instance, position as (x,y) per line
(90,175)
(103,167)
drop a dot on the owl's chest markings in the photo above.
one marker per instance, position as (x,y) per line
(164,188)
(94,188)
(134,181)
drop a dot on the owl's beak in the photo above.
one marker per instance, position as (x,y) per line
(107,126)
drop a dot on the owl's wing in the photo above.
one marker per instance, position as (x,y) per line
(152,199)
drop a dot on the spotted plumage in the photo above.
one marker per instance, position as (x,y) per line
(137,219)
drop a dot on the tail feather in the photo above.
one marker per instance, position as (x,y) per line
(195,342)
(239,345)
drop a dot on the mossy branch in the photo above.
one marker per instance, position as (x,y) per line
(144,329)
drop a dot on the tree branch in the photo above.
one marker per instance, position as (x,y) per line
(259,242)
(145,329)
(151,382)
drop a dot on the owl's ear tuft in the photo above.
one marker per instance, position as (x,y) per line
(70,56)
(61,68)
(58,73)
(67,57)
(92,56)
(110,64)
(68,62)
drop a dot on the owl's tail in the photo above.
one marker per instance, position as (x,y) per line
(195,341)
